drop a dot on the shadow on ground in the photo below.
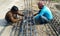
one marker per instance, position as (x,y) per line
(14,31)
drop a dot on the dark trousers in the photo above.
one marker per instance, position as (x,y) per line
(41,20)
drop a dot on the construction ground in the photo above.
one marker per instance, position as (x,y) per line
(49,29)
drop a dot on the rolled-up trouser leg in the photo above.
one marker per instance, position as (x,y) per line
(43,20)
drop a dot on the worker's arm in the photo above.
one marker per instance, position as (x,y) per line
(37,13)
(13,19)
(19,13)
(41,13)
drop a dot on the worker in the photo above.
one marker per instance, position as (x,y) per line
(44,15)
(11,16)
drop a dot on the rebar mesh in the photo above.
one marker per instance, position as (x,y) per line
(28,26)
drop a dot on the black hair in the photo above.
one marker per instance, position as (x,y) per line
(14,8)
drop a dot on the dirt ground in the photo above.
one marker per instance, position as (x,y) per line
(43,30)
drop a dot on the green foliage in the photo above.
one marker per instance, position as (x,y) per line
(56,0)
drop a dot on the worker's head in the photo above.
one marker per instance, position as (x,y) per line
(40,5)
(14,9)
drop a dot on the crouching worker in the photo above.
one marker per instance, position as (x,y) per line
(44,15)
(11,16)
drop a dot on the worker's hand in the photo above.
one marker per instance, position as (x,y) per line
(20,19)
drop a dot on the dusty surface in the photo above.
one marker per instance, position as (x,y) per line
(5,5)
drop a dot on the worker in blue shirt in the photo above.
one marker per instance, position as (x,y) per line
(44,15)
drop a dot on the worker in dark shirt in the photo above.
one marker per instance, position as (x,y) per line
(11,16)
(44,15)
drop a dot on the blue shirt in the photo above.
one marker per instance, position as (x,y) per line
(45,11)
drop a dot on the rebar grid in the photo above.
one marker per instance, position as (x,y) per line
(28,28)
(28,25)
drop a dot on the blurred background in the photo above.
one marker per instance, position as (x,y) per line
(53,29)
